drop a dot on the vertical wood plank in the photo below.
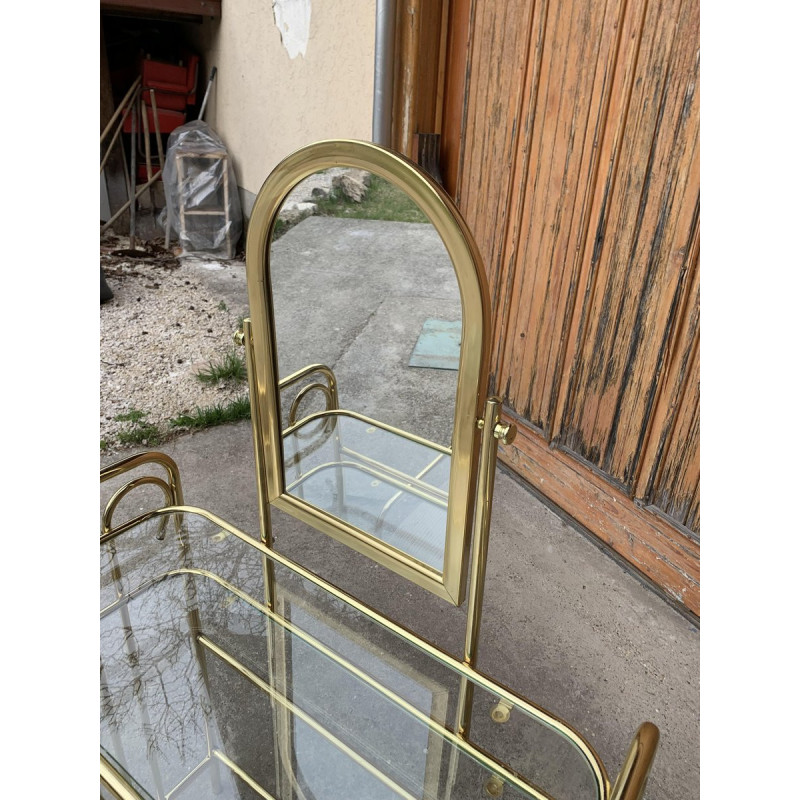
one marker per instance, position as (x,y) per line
(567,113)
(645,237)
(680,396)
(573,154)
(420,32)
(676,489)
(456,94)
(496,73)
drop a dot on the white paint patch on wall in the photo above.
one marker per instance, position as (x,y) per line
(293,20)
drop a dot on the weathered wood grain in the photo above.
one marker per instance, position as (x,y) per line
(565,120)
(670,474)
(494,81)
(455,100)
(570,144)
(677,488)
(641,265)
(648,542)
(420,38)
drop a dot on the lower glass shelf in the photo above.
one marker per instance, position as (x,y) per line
(377,479)
(206,691)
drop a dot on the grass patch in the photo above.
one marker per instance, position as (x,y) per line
(139,430)
(231,368)
(131,416)
(218,414)
(383,200)
(223,306)
(142,434)
(104,445)
(280,227)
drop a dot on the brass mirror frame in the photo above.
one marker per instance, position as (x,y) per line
(260,340)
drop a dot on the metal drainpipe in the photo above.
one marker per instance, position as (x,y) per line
(385,11)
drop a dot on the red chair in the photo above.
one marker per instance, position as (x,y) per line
(175,88)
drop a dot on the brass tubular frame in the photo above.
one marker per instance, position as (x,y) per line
(453,739)
(172,488)
(441,730)
(111,778)
(632,778)
(305,717)
(434,202)
(343,412)
(331,391)
(439,695)
(473,457)
(319,387)
(259,452)
(480,550)
(483,516)
(240,773)
(459,667)
(123,491)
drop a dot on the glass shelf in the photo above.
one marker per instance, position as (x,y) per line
(374,478)
(205,691)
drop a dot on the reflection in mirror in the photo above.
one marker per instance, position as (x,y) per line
(368,320)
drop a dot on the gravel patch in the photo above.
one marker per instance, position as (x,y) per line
(159,330)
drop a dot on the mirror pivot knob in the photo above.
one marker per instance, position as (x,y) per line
(505,432)
(494,786)
(501,712)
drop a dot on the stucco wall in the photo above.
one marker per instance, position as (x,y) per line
(265,103)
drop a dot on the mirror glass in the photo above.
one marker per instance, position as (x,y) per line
(367,315)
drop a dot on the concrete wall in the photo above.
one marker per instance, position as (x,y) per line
(275,93)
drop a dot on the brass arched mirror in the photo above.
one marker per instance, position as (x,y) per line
(367,418)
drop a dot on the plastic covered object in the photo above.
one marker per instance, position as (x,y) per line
(202,196)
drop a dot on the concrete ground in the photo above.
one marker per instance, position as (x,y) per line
(564,624)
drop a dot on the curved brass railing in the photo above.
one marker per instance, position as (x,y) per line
(632,778)
(458,667)
(330,390)
(172,489)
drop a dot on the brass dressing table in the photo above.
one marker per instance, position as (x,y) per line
(230,671)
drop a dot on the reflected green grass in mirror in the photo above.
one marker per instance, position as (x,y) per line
(383,201)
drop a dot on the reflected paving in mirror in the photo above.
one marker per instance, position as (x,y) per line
(368,319)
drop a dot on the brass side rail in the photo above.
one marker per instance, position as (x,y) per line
(329,389)
(172,489)
(458,667)
(486,760)
(364,418)
(632,779)
(406,483)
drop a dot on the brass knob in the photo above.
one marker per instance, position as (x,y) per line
(494,786)
(238,337)
(505,432)
(501,712)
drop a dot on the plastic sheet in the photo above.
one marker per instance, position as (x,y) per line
(201,192)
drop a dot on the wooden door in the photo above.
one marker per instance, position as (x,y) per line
(569,141)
